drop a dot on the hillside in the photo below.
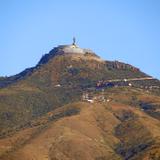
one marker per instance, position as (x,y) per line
(74,105)
(117,129)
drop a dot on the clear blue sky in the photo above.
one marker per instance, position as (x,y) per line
(124,30)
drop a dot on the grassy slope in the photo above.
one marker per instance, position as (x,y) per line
(106,131)
(98,131)
(36,94)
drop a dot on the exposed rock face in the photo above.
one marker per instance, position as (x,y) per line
(120,65)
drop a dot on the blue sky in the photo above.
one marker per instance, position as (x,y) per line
(124,30)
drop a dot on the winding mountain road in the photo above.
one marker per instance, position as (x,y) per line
(130,79)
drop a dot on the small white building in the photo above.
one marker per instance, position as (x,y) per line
(90,100)
(58,85)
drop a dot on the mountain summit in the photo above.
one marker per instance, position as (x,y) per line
(69,50)
(75,105)
(68,54)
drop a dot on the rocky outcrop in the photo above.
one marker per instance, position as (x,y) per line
(119,65)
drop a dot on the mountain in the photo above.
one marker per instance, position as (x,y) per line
(75,105)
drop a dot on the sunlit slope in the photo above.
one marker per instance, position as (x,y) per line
(78,106)
(89,131)
(54,82)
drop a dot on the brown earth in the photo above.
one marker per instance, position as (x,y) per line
(100,131)
(43,117)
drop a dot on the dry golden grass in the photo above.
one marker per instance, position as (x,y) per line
(91,134)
